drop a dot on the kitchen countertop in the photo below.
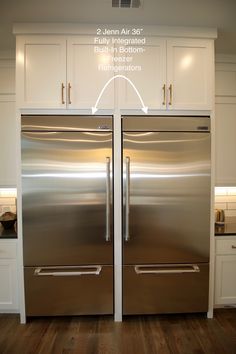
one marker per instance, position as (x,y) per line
(225,229)
(5,234)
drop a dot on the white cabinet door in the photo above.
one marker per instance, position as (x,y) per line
(189,74)
(225,282)
(8,276)
(85,77)
(149,77)
(41,61)
(8,143)
(225,144)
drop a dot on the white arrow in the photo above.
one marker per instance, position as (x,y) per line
(144,108)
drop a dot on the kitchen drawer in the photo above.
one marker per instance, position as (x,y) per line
(7,249)
(65,294)
(151,293)
(226,246)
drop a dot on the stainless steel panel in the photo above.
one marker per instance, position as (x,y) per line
(64,182)
(86,294)
(65,123)
(169,203)
(166,123)
(170,292)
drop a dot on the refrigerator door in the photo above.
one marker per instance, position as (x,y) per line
(166,197)
(165,289)
(67,198)
(69,290)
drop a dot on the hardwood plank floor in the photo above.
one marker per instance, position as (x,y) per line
(164,334)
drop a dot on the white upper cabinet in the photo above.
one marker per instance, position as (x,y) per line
(225,113)
(42,71)
(189,74)
(68,72)
(175,74)
(84,78)
(149,80)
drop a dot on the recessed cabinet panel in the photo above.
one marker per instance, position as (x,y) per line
(225,286)
(189,74)
(225,144)
(44,73)
(87,75)
(148,77)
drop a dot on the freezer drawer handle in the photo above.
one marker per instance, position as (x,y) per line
(57,273)
(108,200)
(191,268)
(127,198)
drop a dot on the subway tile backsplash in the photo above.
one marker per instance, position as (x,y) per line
(225,198)
(7,200)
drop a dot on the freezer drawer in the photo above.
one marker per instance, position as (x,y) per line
(165,289)
(85,290)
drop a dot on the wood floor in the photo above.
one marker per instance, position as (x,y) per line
(178,334)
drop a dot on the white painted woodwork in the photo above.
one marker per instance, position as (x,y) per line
(225,123)
(189,71)
(7,75)
(149,81)
(84,75)
(225,284)
(225,144)
(226,79)
(8,276)
(7,123)
(225,270)
(42,60)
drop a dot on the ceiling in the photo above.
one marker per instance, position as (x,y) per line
(202,13)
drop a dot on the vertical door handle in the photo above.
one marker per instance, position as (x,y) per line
(171,94)
(69,91)
(62,93)
(164,95)
(127,198)
(108,199)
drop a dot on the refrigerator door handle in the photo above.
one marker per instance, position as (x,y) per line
(127,198)
(167,269)
(108,199)
(54,271)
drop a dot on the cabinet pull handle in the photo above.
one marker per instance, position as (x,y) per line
(164,94)
(233,246)
(171,92)
(69,88)
(62,93)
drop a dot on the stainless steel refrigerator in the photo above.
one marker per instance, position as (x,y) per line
(67,198)
(166,214)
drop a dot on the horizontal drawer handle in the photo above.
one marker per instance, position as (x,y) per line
(68,272)
(233,246)
(167,269)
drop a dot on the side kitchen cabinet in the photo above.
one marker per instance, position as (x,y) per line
(85,77)
(8,276)
(225,284)
(41,71)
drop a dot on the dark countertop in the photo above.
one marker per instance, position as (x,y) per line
(225,229)
(5,234)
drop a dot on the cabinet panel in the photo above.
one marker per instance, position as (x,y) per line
(149,80)
(86,77)
(8,143)
(225,144)
(43,71)
(225,285)
(189,72)
(226,246)
(8,288)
